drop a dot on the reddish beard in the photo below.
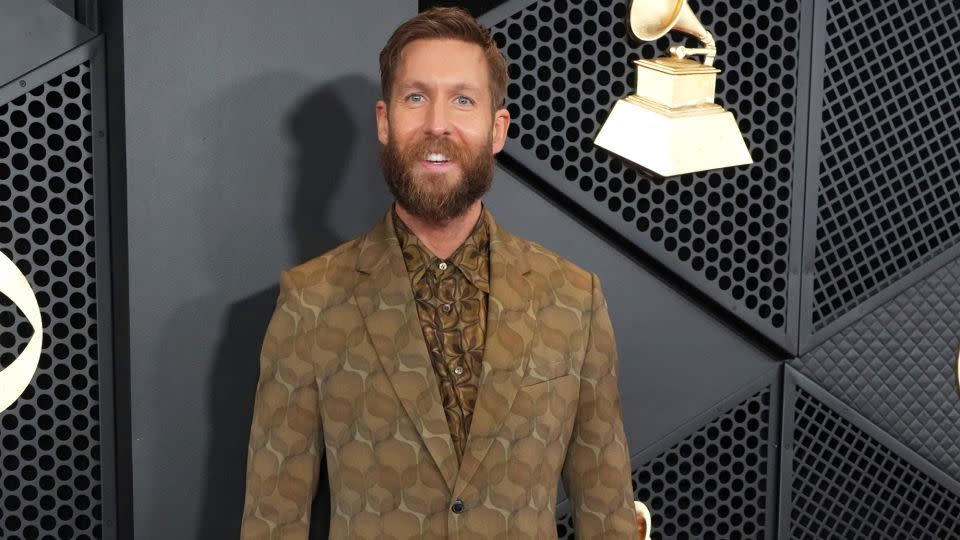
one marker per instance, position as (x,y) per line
(427,195)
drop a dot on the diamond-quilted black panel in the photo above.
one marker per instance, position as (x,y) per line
(897,367)
(848,485)
(888,194)
(727,230)
(50,437)
(711,484)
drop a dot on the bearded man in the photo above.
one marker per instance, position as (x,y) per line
(451,372)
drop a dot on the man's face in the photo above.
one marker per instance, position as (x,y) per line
(440,130)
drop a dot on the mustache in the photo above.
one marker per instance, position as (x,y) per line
(433,144)
(423,195)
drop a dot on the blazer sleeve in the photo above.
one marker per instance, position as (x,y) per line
(596,472)
(283,457)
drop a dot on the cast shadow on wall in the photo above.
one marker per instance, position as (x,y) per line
(336,192)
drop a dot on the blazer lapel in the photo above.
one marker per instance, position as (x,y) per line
(385,298)
(511,323)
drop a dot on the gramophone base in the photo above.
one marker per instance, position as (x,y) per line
(670,143)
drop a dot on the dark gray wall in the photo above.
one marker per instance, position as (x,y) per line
(250,147)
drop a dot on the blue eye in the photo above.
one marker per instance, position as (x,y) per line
(416,98)
(463,100)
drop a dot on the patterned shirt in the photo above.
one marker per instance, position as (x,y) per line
(451,297)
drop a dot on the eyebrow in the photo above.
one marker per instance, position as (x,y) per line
(421,85)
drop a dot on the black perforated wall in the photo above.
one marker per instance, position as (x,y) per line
(50,478)
(888,195)
(847,484)
(727,230)
(896,366)
(712,483)
(874,184)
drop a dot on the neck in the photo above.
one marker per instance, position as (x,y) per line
(442,238)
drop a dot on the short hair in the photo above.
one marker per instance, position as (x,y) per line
(444,23)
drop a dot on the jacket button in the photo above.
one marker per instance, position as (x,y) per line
(457,506)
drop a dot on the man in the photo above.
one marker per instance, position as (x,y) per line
(450,371)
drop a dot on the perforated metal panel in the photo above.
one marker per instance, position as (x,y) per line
(888,195)
(50,467)
(897,367)
(848,484)
(712,483)
(727,231)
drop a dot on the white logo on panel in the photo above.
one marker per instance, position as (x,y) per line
(15,378)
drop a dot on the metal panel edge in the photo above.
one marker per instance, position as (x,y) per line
(850,414)
(883,296)
(110,19)
(809,337)
(44,72)
(802,136)
(772,380)
(812,172)
(788,397)
(102,236)
(55,16)
(773,457)
(690,426)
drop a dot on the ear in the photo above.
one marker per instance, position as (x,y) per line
(383,123)
(501,121)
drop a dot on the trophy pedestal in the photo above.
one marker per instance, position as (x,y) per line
(671,126)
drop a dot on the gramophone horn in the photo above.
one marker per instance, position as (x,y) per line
(651,19)
(671,125)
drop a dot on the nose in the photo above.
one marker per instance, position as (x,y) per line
(436,120)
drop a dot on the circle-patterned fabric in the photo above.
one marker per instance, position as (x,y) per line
(49,449)
(569,63)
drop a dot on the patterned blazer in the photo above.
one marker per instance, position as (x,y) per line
(345,370)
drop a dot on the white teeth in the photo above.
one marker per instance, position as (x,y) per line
(436,158)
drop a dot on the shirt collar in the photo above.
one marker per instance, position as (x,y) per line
(472,257)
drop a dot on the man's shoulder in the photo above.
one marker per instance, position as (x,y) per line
(559,271)
(334,268)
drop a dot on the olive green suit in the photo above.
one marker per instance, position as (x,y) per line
(345,370)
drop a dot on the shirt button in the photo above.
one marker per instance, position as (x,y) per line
(457,506)
(446,308)
(443,266)
(458,370)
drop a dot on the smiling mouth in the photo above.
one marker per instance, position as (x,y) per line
(437,158)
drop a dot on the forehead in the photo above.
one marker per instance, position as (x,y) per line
(442,61)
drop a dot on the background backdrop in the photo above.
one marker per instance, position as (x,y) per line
(787,330)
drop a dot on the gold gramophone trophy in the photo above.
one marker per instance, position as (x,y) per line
(671,125)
